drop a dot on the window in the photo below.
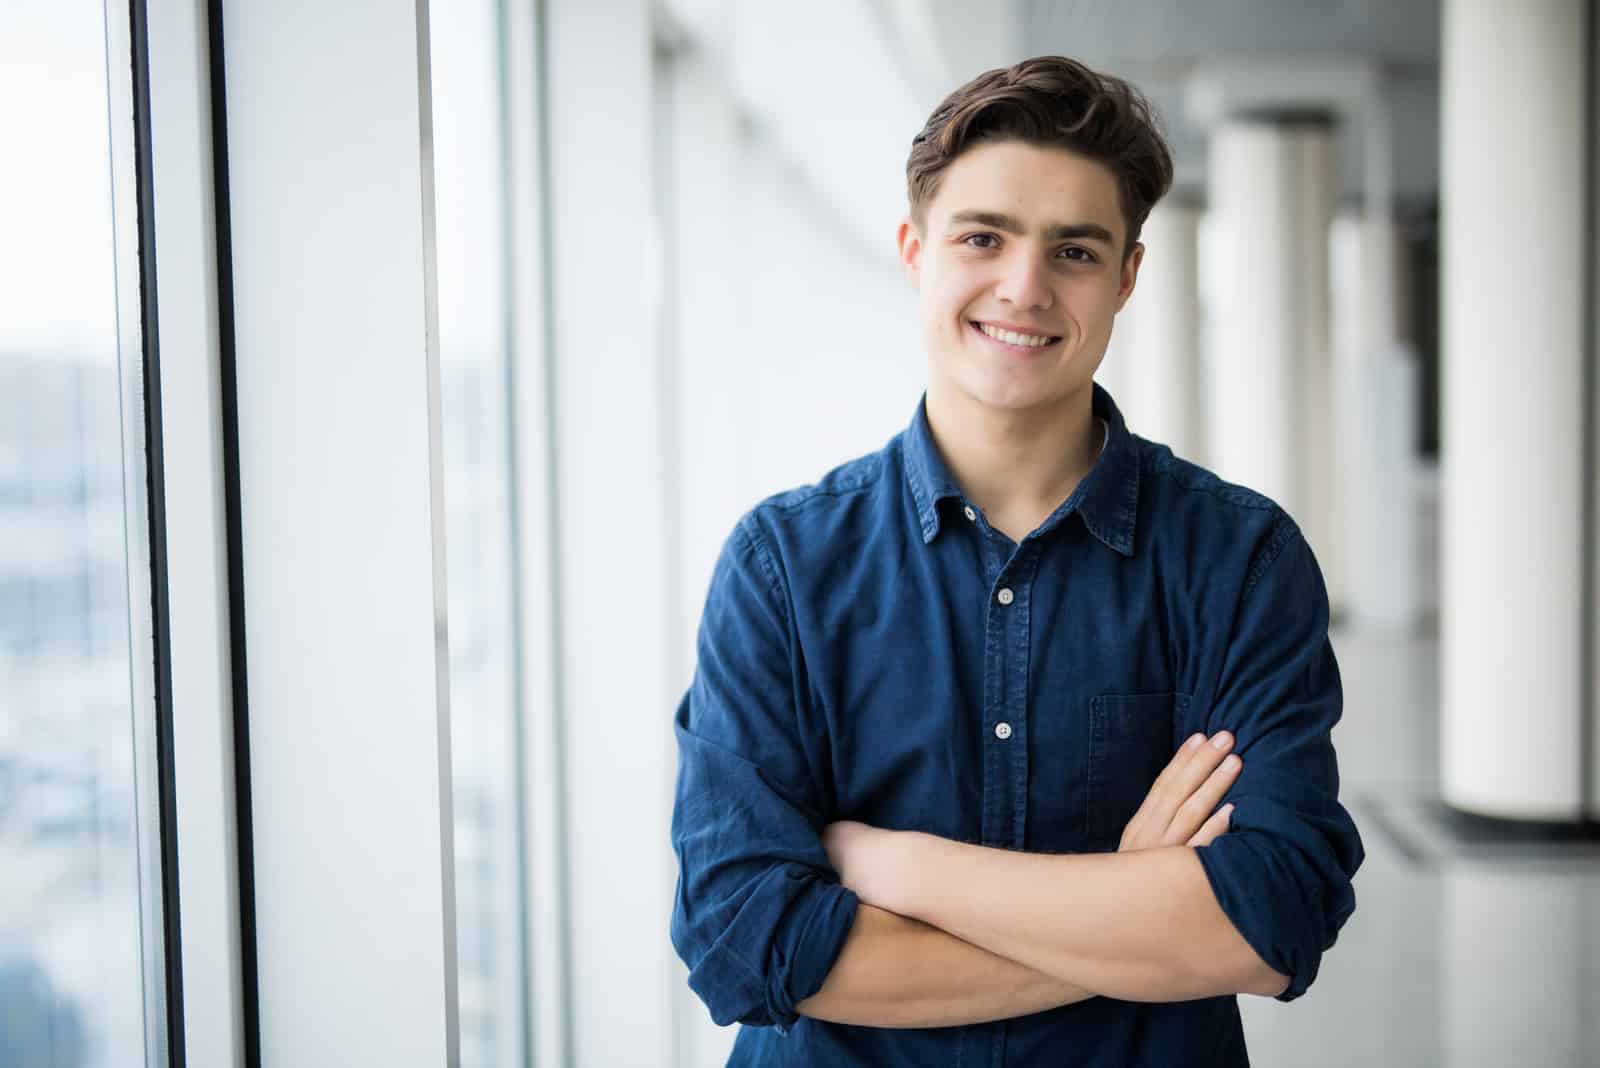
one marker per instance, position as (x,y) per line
(81,969)
(472,234)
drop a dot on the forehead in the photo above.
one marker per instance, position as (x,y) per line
(1041,185)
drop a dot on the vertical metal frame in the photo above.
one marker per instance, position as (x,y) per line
(180,239)
(1590,214)
(329,183)
(139,380)
(227,375)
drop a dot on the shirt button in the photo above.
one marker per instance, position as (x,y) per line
(1002,731)
(969,513)
(1005,596)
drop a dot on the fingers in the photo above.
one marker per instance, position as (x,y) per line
(1186,793)
(1190,769)
(1213,828)
(1205,798)
(1158,804)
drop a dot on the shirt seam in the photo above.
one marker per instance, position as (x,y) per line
(1226,492)
(1282,533)
(838,482)
(769,569)
(812,493)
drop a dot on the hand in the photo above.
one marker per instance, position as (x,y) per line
(1181,808)
(864,857)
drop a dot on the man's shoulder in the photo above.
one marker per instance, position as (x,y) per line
(1176,491)
(844,505)
(863,476)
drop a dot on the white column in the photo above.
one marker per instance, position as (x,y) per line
(340,479)
(1268,407)
(1153,365)
(615,523)
(1375,418)
(1513,130)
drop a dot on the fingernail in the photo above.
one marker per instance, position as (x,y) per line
(1232,762)
(1227,810)
(1194,741)
(1222,740)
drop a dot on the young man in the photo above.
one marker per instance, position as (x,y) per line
(953,764)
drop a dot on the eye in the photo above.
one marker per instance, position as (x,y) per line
(1077,254)
(983,241)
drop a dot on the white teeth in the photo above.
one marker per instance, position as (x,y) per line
(1032,341)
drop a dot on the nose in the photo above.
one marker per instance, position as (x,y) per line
(1025,284)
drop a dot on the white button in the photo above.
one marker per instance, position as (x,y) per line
(1002,731)
(1005,596)
(970,514)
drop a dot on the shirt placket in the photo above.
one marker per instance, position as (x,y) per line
(1009,576)
(1005,688)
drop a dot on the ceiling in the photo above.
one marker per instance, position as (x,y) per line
(1164,46)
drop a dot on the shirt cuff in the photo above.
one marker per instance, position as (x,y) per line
(806,945)
(1278,914)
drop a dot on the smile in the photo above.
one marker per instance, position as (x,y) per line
(1013,339)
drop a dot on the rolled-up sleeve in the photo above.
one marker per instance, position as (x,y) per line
(1283,871)
(759,915)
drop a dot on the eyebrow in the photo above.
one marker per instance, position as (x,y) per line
(1057,232)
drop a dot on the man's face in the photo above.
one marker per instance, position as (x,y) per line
(1023,242)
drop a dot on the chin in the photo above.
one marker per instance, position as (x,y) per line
(977,381)
(1009,396)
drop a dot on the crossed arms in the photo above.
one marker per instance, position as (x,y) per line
(949,933)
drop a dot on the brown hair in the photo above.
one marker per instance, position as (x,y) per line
(1050,101)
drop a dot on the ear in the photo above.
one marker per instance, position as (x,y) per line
(909,239)
(1130,274)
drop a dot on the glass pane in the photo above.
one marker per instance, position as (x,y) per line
(468,175)
(71,987)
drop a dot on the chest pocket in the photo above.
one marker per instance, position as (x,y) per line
(1131,739)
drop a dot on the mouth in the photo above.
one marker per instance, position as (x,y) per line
(1014,340)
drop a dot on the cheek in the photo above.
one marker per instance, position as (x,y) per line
(945,301)
(1093,301)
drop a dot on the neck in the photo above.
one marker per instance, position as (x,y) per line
(1015,464)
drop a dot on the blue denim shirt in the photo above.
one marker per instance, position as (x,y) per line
(857,652)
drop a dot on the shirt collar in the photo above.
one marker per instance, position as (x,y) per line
(1107,498)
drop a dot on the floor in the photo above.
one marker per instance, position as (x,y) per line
(1467,948)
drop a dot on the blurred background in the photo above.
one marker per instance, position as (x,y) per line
(378,383)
